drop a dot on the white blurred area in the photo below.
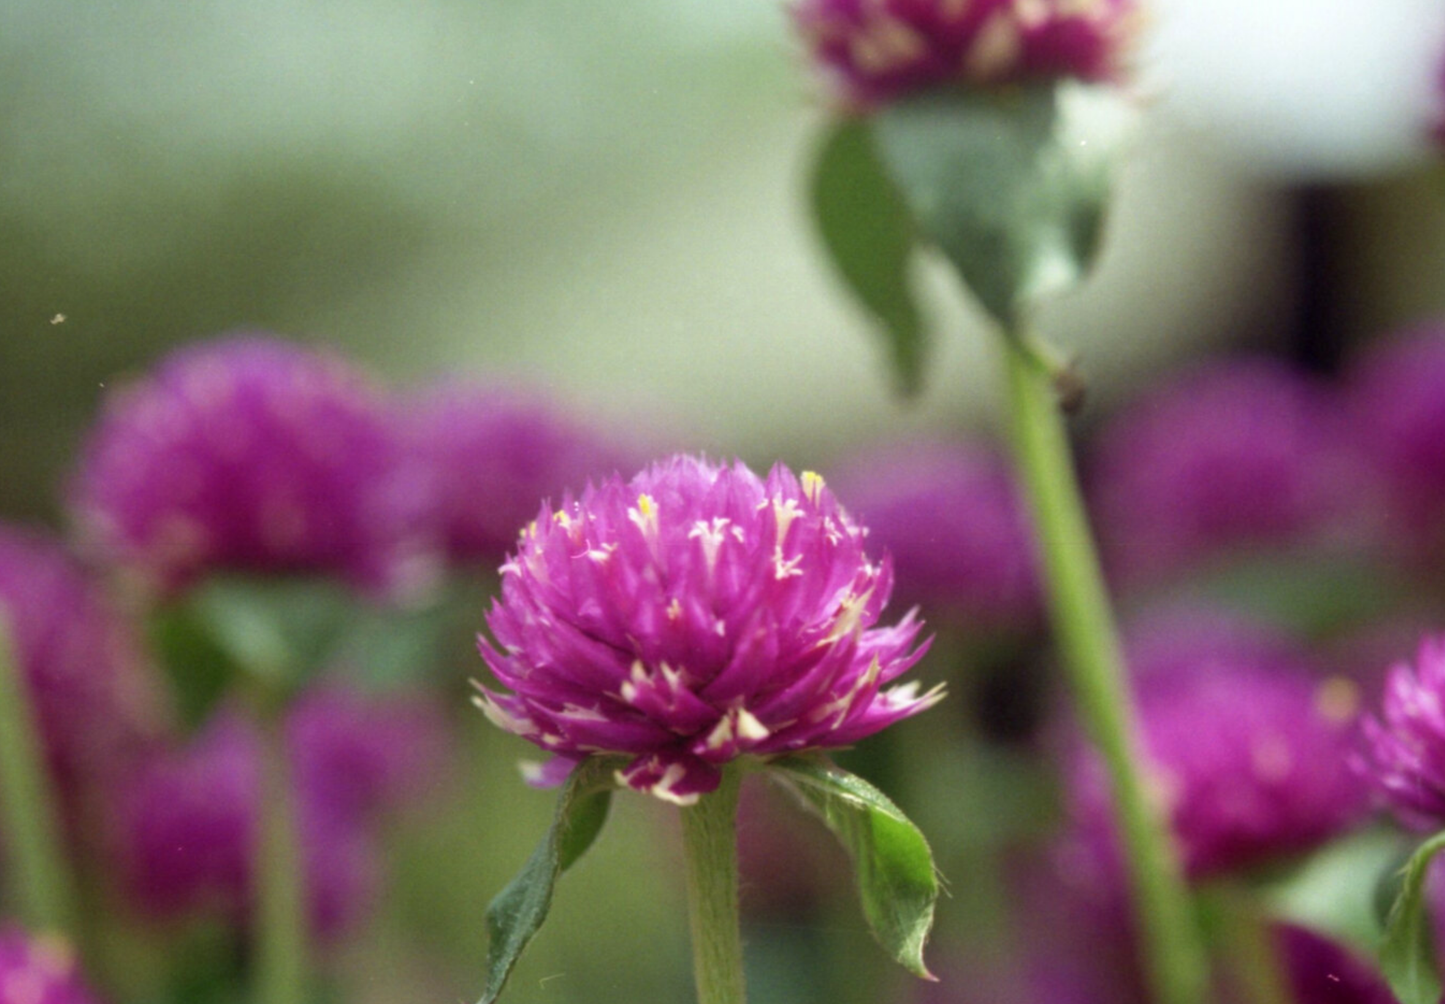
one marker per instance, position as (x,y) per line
(613,194)
(1302,88)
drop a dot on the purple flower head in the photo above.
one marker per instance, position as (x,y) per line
(1188,637)
(876,51)
(39,970)
(1398,403)
(1405,756)
(189,818)
(93,698)
(491,454)
(251,454)
(1249,757)
(951,517)
(1324,972)
(692,615)
(1231,457)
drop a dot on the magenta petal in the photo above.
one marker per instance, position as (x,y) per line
(548,773)
(691,616)
(673,777)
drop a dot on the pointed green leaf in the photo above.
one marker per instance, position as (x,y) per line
(1407,954)
(892,863)
(869,236)
(1011,184)
(519,909)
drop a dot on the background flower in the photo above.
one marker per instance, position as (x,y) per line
(1396,400)
(878,51)
(39,970)
(953,522)
(493,453)
(188,820)
(96,703)
(691,615)
(1249,757)
(250,454)
(1233,457)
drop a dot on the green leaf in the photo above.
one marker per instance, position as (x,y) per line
(1407,954)
(519,910)
(870,236)
(1011,184)
(892,863)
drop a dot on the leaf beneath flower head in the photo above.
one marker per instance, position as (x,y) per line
(517,913)
(1407,954)
(892,863)
(1011,184)
(870,236)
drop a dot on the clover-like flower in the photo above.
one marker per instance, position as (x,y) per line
(188,818)
(693,615)
(880,50)
(1405,758)
(952,520)
(40,970)
(97,706)
(250,454)
(1250,757)
(1397,399)
(1225,459)
(490,454)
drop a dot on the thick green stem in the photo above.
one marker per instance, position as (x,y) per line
(280,911)
(29,810)
(1174,956)
(709,833)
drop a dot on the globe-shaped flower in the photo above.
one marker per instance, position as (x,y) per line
(1226,459)
(250,454)
(952,519)
(692,615)
(490,454)
(188,819)
(39,970)
(1405,757)
(1250,758)
(1397,397)
(880,50)
(96,704)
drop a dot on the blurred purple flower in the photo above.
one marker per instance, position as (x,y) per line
(1249,756)
(252,454)
(39,970)
(1397,398)
(1405,756)
(189,818)
(1234,456)
(1324,972)
(1189,637)
(492,455)
(95,702)
(876,51)
(690,616)
(952,520)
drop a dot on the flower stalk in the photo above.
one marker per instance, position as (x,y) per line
(281,930)
(709,832)
(29,811)
(1175,960)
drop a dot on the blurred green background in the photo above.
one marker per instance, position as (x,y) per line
(604,200)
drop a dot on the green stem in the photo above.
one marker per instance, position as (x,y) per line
(280,910)
(709,834)
(1084,627)
(29,809)
(1246,940)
